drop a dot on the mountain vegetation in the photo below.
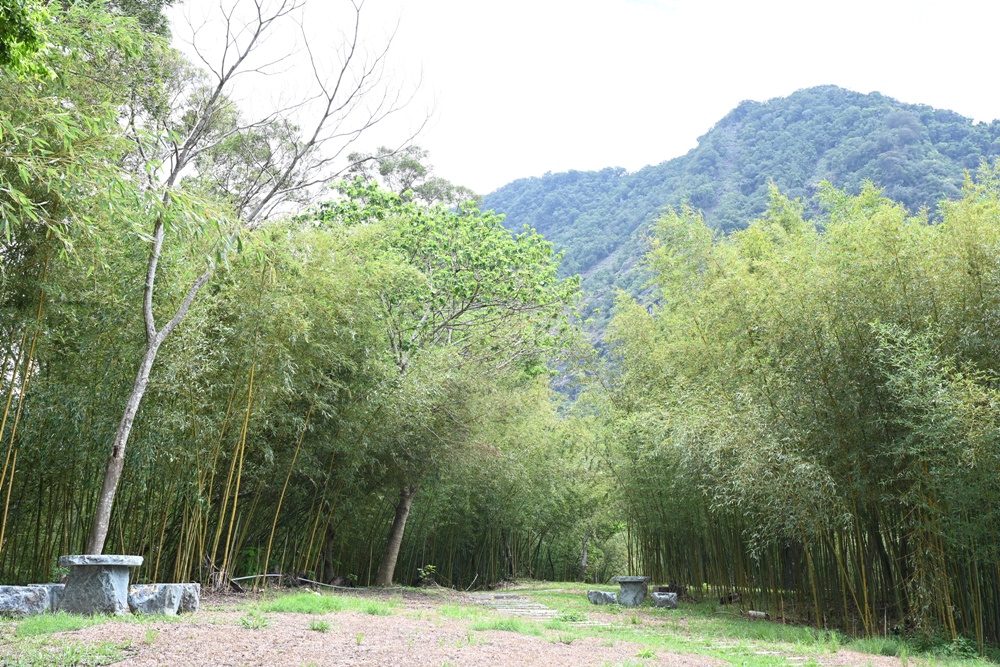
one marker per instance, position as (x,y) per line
(918,154)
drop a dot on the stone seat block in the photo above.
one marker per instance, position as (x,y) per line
(55,594)
(602,597)
(190,598)
(21,601)
(168,599)
(665,600)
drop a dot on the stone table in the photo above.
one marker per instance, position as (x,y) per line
(97,584)
(633,590)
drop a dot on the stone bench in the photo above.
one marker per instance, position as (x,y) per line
(168,599)
(97,584)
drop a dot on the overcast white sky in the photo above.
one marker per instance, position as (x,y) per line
(521,87)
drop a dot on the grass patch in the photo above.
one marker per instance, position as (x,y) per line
(315,603)
(303,603)
(254,620)
(571,617)
(507,624)
(462,612)
(45,624)
(319,626)
(40,654)
(890,646)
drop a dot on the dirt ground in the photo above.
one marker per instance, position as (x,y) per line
(217,639)
(416,634)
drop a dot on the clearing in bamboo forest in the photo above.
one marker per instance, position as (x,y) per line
(331,368)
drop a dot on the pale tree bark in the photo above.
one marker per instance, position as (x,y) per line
(583,558)
(387,567)
(342,118)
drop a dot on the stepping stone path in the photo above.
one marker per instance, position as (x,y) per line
(518,605)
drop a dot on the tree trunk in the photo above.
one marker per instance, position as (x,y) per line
(116,462)
(388,565)
(154,339)
(583,559)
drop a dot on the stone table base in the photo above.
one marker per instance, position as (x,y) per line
(97,584)
(633,590)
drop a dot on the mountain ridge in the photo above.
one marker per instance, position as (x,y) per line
(918,153)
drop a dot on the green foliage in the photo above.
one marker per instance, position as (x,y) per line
(21,35)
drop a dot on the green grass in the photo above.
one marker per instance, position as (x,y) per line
(705,630)
(304,603)
(45,624)
(314,603)
(507,624)
(39,652)
(319,626)
(462,612)
(254,620)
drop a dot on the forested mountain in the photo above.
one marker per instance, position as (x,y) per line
(917,153)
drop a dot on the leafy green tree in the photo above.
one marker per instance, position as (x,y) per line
(468,300)
(405,172)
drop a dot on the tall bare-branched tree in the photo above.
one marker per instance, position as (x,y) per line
(198,146)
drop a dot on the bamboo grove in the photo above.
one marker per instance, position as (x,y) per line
(808,416)
(343,360)
(360,383)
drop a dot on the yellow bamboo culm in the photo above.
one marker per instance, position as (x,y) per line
(239,473)
(6,505)
(281,498)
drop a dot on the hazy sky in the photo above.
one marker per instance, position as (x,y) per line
(519,88)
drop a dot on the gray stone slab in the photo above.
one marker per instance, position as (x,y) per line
(21,601)
(97,584)
(155,598)
(55,594)
(602,597)
(190,598)
(665,600)
(110,560)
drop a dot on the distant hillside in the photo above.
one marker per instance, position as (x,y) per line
(918,153)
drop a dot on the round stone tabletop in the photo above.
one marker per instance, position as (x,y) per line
(107,561)
(630,580)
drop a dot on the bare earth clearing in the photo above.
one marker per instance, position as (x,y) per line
(411,628)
